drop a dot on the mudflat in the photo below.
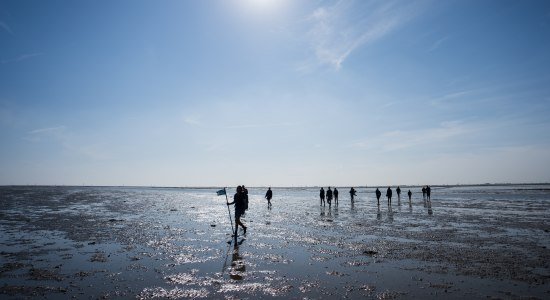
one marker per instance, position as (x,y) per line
(138,242)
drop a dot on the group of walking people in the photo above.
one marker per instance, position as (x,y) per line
(426,190)
(330,194)
(240,199)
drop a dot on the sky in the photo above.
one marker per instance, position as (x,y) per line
(274,93)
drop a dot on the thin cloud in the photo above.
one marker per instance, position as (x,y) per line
(260,125)
(499,91)
(56,129)
(21,57)
(438,44)
(57,133)
(454,95)
(405,139)
(6,28)
(192,120)
(62,136)
(338,30)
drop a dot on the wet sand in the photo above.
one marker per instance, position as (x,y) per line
(146,243)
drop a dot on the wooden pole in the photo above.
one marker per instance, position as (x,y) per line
(228,210)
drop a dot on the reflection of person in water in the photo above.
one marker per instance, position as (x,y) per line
(378,194)
(238,268)
(390,214)
(322,196)
(388,194)
(268,196)
(398,190)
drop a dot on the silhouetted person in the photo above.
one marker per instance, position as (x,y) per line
(388,194)
(398,190)
(424,192)
(335,196)
(378,194)
(428,192)
(268,196)
(322,196)
(239,201)
(329,196)
(352,193)
(410,195)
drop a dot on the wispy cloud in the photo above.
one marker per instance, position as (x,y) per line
(21,57)
(338,30)
(50,130)
(404,139)
(62,136)
(6,28)
(57,133)
(262,125)
(454,95)
(438,43)
(193,120)
(528,89)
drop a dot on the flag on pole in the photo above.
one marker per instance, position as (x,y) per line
(221,192)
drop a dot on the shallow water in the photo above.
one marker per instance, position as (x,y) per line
(112,242)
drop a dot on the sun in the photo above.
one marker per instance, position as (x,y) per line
(264,6)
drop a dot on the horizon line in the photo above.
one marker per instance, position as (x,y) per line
(273,186)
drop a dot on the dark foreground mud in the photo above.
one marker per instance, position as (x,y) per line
(87,242)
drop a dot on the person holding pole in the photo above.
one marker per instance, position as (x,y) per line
(224,192)
(240,205)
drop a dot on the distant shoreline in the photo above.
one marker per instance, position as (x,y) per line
(282,187)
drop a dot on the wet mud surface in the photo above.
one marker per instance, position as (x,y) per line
(151,243)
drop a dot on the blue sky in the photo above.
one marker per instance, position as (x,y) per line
(282,93)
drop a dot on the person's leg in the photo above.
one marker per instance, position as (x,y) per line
(240,223)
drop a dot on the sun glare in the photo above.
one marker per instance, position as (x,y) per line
(263,6)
